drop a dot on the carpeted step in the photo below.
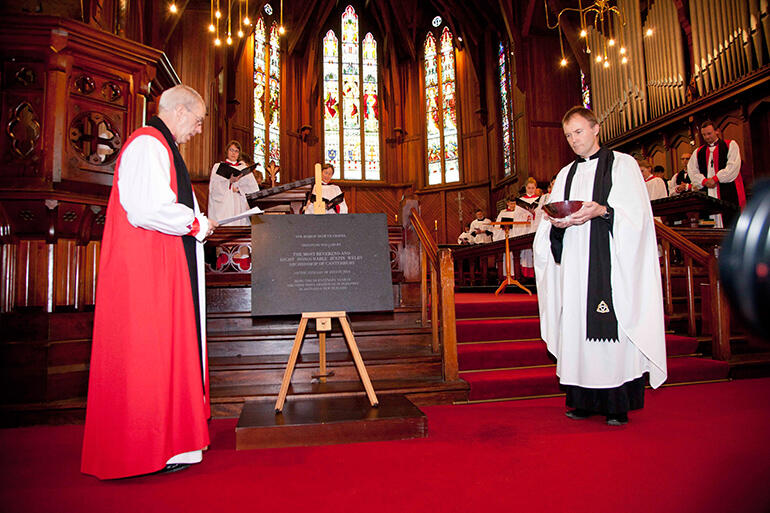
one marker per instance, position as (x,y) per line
(477,305)
(512,383)
(498,329)
(519,353)
(690,369)
(541,381)
(677,345)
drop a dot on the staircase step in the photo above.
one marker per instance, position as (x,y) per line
(677,345)
(690,369)
(498,329)
(519,353)
(478,305)
(512,383)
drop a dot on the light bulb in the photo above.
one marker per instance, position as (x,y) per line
(211,28)
(172,7)
(229,40)
(606,64)
(563,62)
(217,15)
(583,33)
(598,58)
(624,59)
(246,21)
(281,30)
(217,42)
(611,42)
(648,33)
(622,50)
(240,33)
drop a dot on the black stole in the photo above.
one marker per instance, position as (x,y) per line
(682,177)
(184,195)
(601,322)
(727,191)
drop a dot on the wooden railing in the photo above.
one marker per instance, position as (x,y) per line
(442,296)
(478,255)
(692,254)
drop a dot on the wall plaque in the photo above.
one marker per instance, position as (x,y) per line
(316,263)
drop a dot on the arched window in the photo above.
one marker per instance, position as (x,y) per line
(267,94)
(351,102)
(506,114)
(440,110)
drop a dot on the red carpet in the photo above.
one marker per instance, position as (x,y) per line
(698,449)
(499,343)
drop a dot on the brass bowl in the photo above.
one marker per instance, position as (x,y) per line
(560,209)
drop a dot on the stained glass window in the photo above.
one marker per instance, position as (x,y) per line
(351,102)
(585,91)
(441,110)
(506,115)
(267,95)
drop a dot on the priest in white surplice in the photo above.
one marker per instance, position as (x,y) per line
(598,280)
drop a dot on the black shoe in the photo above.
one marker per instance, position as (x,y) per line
(578,414)
(173,467)
(618,419)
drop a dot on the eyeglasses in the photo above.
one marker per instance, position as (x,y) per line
(198,119)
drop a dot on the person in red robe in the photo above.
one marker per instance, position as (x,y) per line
(148,401)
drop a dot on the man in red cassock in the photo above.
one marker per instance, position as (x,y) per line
(148,400)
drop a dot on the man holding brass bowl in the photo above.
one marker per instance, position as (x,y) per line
(598,279)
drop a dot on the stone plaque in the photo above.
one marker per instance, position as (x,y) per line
(318,263)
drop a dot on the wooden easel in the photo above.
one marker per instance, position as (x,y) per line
(323,324)
(509,280)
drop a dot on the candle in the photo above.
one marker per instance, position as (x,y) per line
(435,224)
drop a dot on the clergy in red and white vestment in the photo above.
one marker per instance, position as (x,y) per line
(598,280)
(148,401)
(329,191)
(656,186)
(716,166)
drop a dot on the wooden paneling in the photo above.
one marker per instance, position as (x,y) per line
(195,59)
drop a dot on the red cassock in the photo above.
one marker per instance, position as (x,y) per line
(146,398)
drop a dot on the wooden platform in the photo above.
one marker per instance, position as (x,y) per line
(328,420)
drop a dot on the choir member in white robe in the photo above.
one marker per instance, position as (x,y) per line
(531,196)
(480,228)
(716,166)
(227,197)
(517,214)
(465,237)
(598,280)
(329,191)
(656,186)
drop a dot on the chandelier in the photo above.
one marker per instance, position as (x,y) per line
(242,23)
(608,21)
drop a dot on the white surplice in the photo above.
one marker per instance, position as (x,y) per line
(481,226)
(228,200)
(636,286)
(725,175)
(656,187)
(329,191)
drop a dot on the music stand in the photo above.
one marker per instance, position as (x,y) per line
(509,280)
